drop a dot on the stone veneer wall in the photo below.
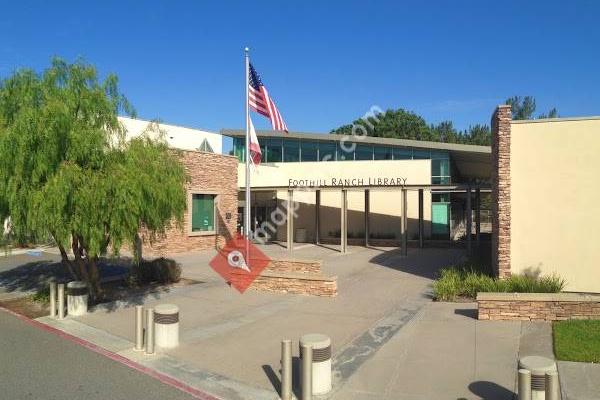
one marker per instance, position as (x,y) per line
(537,306)
(501,190)
(294,266)
(307,284)
(209,173)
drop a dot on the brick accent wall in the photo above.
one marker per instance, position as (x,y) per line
(306,284)
(537,306)
(294,266)
(209,173)
(501,190)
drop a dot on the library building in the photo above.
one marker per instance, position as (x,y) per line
(528,196)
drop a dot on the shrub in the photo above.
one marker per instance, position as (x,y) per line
(162,270)
(468,280)
(42,295)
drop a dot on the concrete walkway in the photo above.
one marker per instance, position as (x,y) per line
(389,340)
(443,353)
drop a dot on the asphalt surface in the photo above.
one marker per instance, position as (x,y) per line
(35,364)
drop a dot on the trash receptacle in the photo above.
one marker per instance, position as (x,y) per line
(321,361)
(166,325)
(538,366)
(77,298)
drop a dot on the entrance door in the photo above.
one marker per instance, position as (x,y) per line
(440,218)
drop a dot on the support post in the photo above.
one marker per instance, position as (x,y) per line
(552,389)
(61,301)
(367,213)
(344,222)
(478,215)
(149,332)
(421,218)
(306,381)
(290,220)
(469,220)
(404,224)
(524,384)
(286,369)
(317,217)
(53,299)
(139,328)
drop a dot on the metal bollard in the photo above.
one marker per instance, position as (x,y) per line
(149,332)
(61,301)
(306,377)
(139,328)
(552,389)
(53,299)
(524,384)
(286,369)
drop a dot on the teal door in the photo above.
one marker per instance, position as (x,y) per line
(440,217)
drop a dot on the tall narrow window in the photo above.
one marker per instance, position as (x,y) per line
(203,213)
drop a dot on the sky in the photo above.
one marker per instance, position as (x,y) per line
(325,63)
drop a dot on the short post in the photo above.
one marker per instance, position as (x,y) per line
(524,384)
(53,299)
(61,301)
(166,326)
(149,332)
(306,377)
(552,389)
(286,369)
(139,328)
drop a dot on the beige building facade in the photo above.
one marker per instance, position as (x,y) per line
(546,194)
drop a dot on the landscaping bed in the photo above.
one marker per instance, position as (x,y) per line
(463,282)
(150,278)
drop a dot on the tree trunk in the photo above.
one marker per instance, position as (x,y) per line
(94,277)
(78,253)
(65,259)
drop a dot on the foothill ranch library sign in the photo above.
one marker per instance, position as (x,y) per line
(347,182)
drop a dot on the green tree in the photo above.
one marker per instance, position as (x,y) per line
(524,108)
(67,171)
(400,124)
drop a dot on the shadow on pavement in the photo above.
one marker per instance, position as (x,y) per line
(490,390)
(467,312)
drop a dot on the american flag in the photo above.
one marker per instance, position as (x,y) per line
(260,101)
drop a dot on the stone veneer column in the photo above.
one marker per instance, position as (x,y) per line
(501,190)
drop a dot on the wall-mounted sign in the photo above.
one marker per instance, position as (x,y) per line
(348,182)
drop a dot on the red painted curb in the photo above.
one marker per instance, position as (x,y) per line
(166,379)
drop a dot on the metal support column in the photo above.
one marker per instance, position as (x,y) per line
(367,212)
(469,220)
(290,220)
(478,215)
(404,224)
(317,217)
(344,222)
(420,218)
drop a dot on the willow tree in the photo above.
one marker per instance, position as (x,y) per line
(67,172)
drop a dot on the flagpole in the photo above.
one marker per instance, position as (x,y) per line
(247,206)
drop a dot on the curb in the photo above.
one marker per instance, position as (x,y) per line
(166,379)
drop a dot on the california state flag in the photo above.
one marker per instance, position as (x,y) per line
(255,153)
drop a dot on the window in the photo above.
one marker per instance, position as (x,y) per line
(402,154)
(203,212)
(291,150)
(440,168)
(363,152)
(274,150)
(326,151)
(421,154)
(309,151)
(383,153)
(345,151)
(239,148)
(205,146)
